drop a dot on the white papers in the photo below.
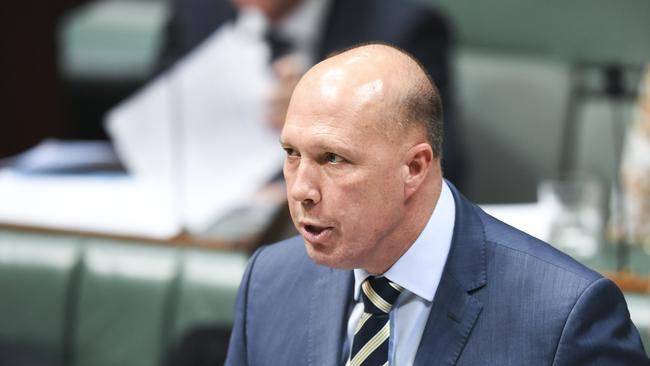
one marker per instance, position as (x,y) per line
(54,155)
(531,218)
(198,131)
(194,141)
(141,128)
(102,203)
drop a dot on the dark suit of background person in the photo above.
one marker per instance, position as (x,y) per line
(505,298)
(406,24)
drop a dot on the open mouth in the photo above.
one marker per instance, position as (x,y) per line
(314,233)
(314,230)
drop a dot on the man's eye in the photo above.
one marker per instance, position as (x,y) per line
(290,151)
(333,158)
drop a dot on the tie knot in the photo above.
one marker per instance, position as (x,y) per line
(379,295)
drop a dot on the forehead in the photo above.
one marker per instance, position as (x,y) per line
(329,127)
(324,104)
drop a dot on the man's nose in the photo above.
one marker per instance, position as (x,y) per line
(304,187)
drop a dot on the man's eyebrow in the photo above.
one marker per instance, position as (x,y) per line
(334,147)
(326,146)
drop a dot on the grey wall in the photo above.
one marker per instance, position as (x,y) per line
(575,29)
(512,69)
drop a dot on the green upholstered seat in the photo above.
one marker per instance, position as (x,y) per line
(121,307)
(36,277)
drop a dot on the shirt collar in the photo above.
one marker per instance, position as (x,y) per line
(419,269)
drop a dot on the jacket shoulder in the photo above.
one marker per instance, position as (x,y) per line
(509,241)
(286,260)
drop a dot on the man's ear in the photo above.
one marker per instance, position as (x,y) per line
(418,162)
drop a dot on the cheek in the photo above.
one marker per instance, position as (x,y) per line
(363,207)
(294,211)
(379,189)
(372,203)
(287,171)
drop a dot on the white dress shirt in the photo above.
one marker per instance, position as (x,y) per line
(418,271)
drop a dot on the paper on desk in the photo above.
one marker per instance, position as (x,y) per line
(58,156)
(100,203)
(200,127)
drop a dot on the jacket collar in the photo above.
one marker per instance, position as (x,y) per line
(454,310)
(466,262)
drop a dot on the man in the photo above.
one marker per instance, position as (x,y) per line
(394,264)
(315,28)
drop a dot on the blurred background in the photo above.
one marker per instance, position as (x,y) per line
(548,128)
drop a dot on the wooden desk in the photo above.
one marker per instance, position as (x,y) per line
(280,227)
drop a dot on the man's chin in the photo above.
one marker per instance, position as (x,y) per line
(325,255)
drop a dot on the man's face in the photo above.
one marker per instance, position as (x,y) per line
(344,174)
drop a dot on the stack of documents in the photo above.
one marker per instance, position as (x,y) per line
(193,140)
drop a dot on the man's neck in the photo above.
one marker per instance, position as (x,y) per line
(395,245)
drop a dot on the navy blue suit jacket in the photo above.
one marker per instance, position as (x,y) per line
(505,298)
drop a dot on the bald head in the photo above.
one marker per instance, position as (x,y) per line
(384,80)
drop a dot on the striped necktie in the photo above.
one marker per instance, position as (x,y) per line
(370,344)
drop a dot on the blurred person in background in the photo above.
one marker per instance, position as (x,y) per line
(635,171)
(303,32)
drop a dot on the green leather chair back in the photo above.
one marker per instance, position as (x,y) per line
(36,279)
(121,307)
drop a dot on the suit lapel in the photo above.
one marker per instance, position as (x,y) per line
(453,315)
(328,316)
(454,310)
